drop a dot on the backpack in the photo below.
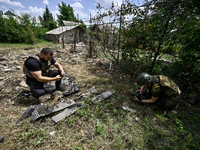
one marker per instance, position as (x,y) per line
(168,86)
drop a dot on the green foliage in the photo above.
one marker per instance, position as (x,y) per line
(21,30)
(47,20)
(66,13)
(39,135)
(52,25)
(99,129)
(83,25)
(191,53)
(11,31)
(40,32)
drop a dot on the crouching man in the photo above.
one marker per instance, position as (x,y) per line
(161,91)
(36,68)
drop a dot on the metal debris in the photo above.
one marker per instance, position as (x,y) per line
(72,90)
(40,111)
(63,104)
(64,114)
(52,133)
(129,109)
(173,111)
(102,96)
(26,113)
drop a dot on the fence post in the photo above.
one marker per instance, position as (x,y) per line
(63,43)
(119,33)
(90,49)
(90,42)
(75,42)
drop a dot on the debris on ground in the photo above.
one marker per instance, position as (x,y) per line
(102,96)
(38,111)
(128,109)
(64,114)
(1,139)
(70,106)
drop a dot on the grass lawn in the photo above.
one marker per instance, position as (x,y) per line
(41,43)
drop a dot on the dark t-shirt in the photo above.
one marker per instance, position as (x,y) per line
(34,65)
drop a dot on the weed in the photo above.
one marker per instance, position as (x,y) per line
(21,135)
(180,126)
(70,121)
(99,130)
(35,136)
(109,106)
(80,112)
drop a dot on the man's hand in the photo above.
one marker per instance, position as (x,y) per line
(57,78)
(136,99)
(62,74)
(138,91)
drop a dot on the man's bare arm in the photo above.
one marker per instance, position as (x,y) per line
(40,78)
(57,65)
(152,100)
(60,68)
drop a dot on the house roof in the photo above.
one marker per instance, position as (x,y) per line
(66,23)
(9,13)
(61,29)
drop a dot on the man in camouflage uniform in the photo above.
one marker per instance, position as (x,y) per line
(161,91)
(36,68)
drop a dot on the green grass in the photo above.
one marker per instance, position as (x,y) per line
(41,43)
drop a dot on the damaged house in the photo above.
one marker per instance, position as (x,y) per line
(68,32)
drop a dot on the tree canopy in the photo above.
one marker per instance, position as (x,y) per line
(66,13)
(47,20)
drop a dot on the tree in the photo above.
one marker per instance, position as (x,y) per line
(25,19)
(47,20)
(67,13)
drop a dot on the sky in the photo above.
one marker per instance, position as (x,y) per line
(36,7)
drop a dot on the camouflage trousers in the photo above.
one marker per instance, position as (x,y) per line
(170,103)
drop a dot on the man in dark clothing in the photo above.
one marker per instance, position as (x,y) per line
(37,72)
(161,91)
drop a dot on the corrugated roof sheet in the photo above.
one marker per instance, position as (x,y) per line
(61,29)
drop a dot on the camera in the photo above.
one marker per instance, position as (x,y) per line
(62,75)
(138,94)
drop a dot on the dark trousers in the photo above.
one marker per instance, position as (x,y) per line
(37,88)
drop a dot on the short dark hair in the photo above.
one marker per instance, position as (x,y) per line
(46,51)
